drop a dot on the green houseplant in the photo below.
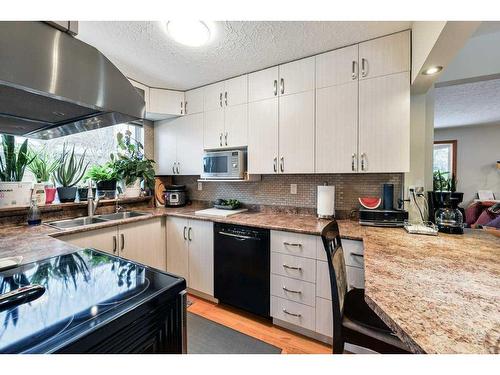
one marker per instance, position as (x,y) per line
(444,188)
(105,178)
(42,165)
(68,173)
(132,166)
(12,167)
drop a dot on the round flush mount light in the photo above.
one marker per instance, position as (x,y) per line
(432,70)
(189,33)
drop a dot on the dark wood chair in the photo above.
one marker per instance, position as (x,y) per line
(354,321)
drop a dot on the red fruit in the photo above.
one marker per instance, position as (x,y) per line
(370,202)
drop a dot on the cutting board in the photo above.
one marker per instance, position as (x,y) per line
(219,212)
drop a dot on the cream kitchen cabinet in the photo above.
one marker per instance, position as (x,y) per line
(142,241)
(190,252)
(226,114)
(281,110)
(194,101)
(179,145)
(165,104)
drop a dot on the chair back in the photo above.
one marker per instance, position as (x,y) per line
(338,281)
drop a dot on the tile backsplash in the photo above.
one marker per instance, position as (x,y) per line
(275,189)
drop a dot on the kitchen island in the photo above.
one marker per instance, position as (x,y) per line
(439,294)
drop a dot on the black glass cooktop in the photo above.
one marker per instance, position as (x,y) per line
(83,290)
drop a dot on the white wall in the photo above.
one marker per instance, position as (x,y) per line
(424,35)
(478,149)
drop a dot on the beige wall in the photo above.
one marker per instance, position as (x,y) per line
(478,149)
(424,36)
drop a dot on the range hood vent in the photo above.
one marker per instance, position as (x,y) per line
(52,84)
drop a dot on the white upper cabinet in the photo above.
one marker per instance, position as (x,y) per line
(263,84)
(263,136)
(236,126)
(166,146)
(337,67)
(190,145)
(296,76)
(386,55)
(194,101)
(384,123)
(296,133)
(214,96)
(236,91)
(337,128)
(165,103)
(213,129)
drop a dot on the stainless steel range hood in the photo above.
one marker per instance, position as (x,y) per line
(52,84)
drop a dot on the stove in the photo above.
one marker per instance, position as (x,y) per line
(91,302)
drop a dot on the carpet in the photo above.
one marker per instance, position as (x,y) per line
(207,337)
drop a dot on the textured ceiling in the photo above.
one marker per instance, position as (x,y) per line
(144,52)
(467,104)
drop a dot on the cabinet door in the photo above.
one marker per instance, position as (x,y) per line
(337,128)
(166,145)
(263,136)
(296,133)
(236,91)
(201,256)
(213,96)
(384,123)
(166,102)
(190,145)
(236,126)
(386,55)
(263,84)
(104,239)
(213,129)
(177,247)
(297,76)
(337,67)
(144,242)
(324,317)
(193,101)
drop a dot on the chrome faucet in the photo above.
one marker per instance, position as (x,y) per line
(91,203)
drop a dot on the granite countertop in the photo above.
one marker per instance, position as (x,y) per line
(439,294)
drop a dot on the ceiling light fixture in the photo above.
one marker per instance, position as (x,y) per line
(189,33)
(432,70)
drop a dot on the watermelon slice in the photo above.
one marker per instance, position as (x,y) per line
(370,202)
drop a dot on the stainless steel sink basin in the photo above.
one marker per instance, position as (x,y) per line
(121,215)
(73,223)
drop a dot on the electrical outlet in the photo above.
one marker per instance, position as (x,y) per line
(293,188)
(200,186)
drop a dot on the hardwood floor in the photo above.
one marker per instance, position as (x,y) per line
(289,342)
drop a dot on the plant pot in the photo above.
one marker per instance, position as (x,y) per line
(107,189)
(83,193)
(15,194)
(50,194)
(66,194)
(132,190)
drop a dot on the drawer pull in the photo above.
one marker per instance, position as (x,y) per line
(292,267)
(292,314)
(291,291)
(292,244)
(357,255)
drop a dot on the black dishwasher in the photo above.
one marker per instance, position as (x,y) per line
(242,267)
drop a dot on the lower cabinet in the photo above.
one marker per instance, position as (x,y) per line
(142,241)
(190,252)
(300,283)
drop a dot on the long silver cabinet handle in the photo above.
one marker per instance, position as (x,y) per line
(178,169)
(275,87)
(353,162)
(173,168)
(357,255)
(182,106)
(184,233)
(364,65)
(282,164)
(292,267)
(220,99)
(292,244)
(189,234)
(291,291)
(220,139)
(225,98)
(185,108)
(275,165)
(225,137)
(114,245)
(238,236)
(354,74)
(292,314)
(123,241)
(363,162)
(282,85)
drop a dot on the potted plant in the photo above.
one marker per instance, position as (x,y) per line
(14,192)
(68,173)
(105,178)
(444,188)
(131,166)
(43,166)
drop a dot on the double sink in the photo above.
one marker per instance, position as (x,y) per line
(81,221)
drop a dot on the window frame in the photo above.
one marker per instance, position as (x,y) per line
(453,143)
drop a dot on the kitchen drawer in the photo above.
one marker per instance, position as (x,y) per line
(303,245)
(294,267)
(324,317)
(293,290)
(355,277)
(323,280)
(350,247)
(293,312)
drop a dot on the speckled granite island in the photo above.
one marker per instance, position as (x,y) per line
(439,294)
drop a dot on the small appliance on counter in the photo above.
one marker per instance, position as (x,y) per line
(449,219)
(326,202)
(175,195)
(387,216)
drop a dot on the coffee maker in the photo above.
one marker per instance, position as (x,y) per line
(444,211)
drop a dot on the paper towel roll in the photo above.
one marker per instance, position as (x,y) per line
(326,201)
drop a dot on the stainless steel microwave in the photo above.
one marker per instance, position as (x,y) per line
(229,164)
